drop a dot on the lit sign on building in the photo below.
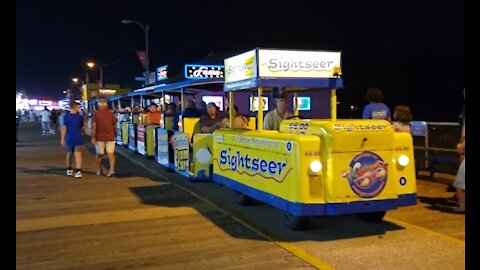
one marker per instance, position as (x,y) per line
(162,73)
(204,71)
(33,101)
(45,102)
(107,92)
(62,103)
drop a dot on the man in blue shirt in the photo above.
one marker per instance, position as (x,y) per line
(71,137)
(376,109)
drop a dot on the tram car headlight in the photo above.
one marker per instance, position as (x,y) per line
(315,167)
(403,160)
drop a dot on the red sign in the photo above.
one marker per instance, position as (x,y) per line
(142,58)
(141,133)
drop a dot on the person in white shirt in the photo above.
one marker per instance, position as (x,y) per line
(45,114)
(31,116)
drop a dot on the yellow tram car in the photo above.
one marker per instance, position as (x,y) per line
(310,167)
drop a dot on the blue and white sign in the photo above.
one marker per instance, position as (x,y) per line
(162,146)
(132,137)
(418,128)
(289,146)
(403,181)
(118,138)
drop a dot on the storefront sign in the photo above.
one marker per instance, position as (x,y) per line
(204,71)
(107,92)
(43,102)
(33,101)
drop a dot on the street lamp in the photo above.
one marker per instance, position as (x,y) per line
(72,95)
(68,95)
(147,61)
(92,65)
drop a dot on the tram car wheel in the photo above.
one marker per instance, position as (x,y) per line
(372,217)
(242,199)
(297,223)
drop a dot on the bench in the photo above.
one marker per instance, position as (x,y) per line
(420,128)
(433,162)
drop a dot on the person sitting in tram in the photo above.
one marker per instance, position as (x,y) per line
(203,107)
(376,109)
(212,120)
(120,115)
(402,118)
(136,114)
(171,109)
(127,115)
(239,121)
(274,117)
(153,115)
(144,114)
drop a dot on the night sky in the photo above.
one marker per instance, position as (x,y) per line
(413,50)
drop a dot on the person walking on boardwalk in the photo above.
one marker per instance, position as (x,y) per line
(103,136)
(71,137)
